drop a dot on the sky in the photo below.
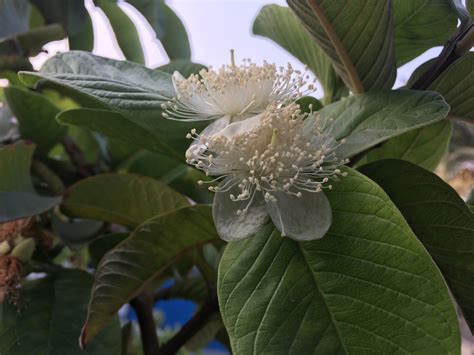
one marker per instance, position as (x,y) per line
(214,27)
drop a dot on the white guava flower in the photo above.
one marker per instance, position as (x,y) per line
(269,165)
(236,92)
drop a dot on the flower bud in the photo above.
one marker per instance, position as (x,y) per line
(23,251)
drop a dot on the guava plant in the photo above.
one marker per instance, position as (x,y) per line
(296,225)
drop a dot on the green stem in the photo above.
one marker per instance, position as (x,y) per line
(53,181)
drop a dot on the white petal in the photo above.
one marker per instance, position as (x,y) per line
(216,126)
(305,218)
(232,227)
(197,147)
(177,78)
(242,126)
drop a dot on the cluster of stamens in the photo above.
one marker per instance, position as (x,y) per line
(274,156)
(234,90)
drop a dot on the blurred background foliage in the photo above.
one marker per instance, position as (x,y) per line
(63,155)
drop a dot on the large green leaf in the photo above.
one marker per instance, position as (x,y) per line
(456,84)
(368,119)
(439,218)
(121,198)
(282,26)
(18,198)
(100,246)
(420,25)
(14,17)
(49,322)
(364,62)
(84,39)
(425,146)
(70,14)
(94,77)
(127,269)
(179,176)
(17,47)
(368,286)
(129,89)
(124,30)
(73,17)
(114,125)
(168,27)
(36,117)
(75,233)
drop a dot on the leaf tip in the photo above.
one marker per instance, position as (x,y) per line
(83,338)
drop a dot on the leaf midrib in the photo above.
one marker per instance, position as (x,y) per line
(333,321)
(346,61)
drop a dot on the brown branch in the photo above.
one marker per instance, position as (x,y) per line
(190,328)
(462,119)
(143,306)
(77,158)
(455,47)
(162,294)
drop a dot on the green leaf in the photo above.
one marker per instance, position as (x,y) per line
(129,89)
(470,7)
(114,125)
(364,62)
(75,233)
(86,142)
(125,271)
(30,43)
(369,119)
(84,39)
(124,30)
(420,25)
(168,27)
(36,19)
(120,198)
(94,77)
(282,26)
(119,151)
(36,117)
(439,218)
(456,84)
(71,14)
(100,246)
(424,146)
(53,309)
(193,288)
(368,286)
(470,200)
(179,176)
(18,198)
(308,104)
(185,67)
(14,17)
